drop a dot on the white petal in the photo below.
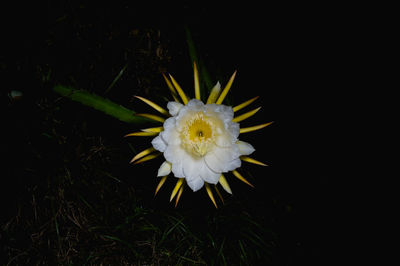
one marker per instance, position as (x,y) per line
(232,165)
(195,105)
(177,169)
(226,158)
(169,123)
(213,162)
(221,166)
(191,167)
(227,154)
(211,177)
(227,134)
(245,148)
(171,136)
(225,113)
(234,130)
(224,140)
(164,169)
(197,167)
(195,184)
(223,160)
(159,144)
(174,107)
(174,153)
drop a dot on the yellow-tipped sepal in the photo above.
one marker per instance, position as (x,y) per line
(196,82)
(171,88)
(152,117)
(243,105)
(225,184)
(226,89)
(148,157)
(210,194)
(179,195)
(246,115)
(141,134)
(160,184)
(215,91)
(251,160)
(154,105)
(179,90)
(142,154)
(254,128)
(176,188)
(153,129)
(219,194)
(241,178)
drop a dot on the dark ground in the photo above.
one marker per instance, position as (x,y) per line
(70,196)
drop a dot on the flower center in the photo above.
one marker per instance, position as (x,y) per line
(198,135)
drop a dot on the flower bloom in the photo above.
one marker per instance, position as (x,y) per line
(199,141)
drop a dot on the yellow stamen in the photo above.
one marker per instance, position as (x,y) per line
(246,115)
(226,89)
(243,105)
(210,194)
(148,157)
(251,160)
(219,194)
(162,181)
(196,82)
(171,88)
(254,128)
(153,129)
(224,184)
(154,105)
(179,195)
(179,89)
(214,94)
(142,154)
(197,136)
(141,134)
(241,178)
(177,186)
(152,117)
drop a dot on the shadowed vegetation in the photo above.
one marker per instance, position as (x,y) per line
(76,200)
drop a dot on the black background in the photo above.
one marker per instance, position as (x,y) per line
(298,58)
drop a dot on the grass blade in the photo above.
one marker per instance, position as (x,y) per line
(116,79)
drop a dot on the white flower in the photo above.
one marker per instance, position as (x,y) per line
(199,141)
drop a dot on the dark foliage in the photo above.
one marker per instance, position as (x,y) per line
(70,196)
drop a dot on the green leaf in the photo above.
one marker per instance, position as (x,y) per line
(99,103)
